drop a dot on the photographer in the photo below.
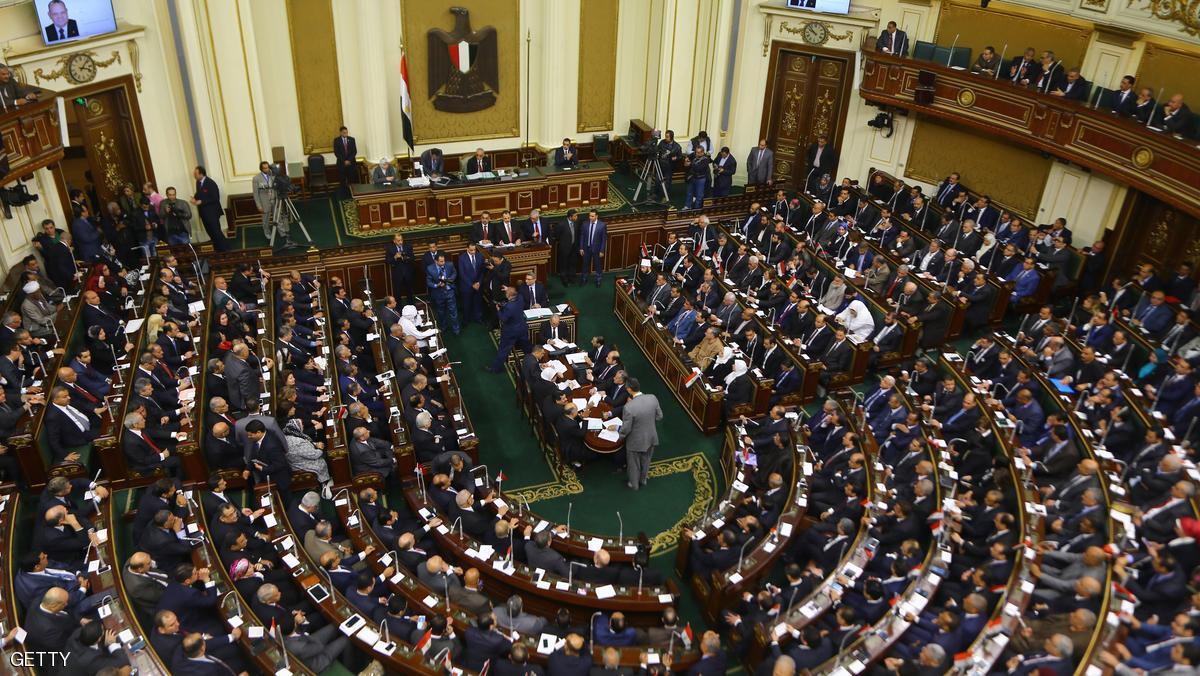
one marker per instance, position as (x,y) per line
(176,216)
(669,153)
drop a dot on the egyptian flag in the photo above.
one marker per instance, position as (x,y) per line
(691,379)
(423,644)
(406,101)
(688,636)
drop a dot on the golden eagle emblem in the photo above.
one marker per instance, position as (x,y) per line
(463,66)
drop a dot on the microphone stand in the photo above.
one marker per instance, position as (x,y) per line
(620,529)
(1000,64)
(742,554)
(950,56)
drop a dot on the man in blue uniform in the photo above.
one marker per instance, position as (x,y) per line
(440,277)
(513,331)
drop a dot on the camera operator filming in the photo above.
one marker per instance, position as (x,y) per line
(272,196)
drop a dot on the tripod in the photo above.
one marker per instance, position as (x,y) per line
(651,179)
(284,208)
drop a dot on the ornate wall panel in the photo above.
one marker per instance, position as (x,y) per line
(977,28)
(500,120)
(597,64)
(314,61)
(1012,174)
(1171,69)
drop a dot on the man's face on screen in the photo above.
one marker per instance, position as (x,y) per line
(58,14)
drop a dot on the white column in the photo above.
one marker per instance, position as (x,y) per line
(377,64)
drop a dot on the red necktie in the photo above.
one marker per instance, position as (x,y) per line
(146,438)
(84,393)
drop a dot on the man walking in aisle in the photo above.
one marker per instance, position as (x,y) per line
(639,431)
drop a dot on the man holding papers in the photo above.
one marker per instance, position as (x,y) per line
(639,430)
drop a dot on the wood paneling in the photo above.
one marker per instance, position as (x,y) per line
(1159,234)
(1172,70)
(1013,174)
(1018,27)
(314,61)
(808,96)
(597,64)
(1154,163)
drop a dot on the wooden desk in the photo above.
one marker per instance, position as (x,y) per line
(400,206)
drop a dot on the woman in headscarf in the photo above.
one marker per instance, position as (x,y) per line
(989,252)
(408,322)
(305,456)
(857,319)
(723,364)
(738,387)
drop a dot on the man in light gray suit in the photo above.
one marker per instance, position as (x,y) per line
(760,166)
(317,650)
(242,379)
(264,199)
(639,431)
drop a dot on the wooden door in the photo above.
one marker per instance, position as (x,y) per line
(1154,232)
(808,93)
(106,128)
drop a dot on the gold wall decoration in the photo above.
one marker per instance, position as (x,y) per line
(1018,27)
(1182,11)
(61,70)
(314,62)
(597,65)
(1142,157)
(966,98)
(500,120)
(1171,69)
(1011,174)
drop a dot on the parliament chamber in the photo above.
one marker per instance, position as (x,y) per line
(589,337)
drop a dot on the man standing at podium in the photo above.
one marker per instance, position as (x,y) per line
(513,330)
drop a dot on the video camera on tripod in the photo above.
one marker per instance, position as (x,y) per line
(280,183)
(653,153)
(284,212)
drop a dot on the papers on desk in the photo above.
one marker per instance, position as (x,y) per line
(556,344)
(418,182)
(605,592)
(580,403)
(558,366)
(195,307)
(561,308)
(437,353)
(610,435)
(594,424)
(538,313)
(576,358)
(480,175)
(595,544)
(187,395)
(133,325)
(596,398)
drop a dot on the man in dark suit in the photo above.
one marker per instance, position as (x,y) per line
(268,456)
(67,427)
(433,163)
(1124,100)
(1025,68)
(346,152)
(49,624)
(142,453)
(479,163)
(934,318)
(61,27)
(821,159)
(593,240)
(207,201)
(892,41)
(1074,88)
(571,436)
(371,455)
(980,297)
(566,246)
(533,295)
(565,156)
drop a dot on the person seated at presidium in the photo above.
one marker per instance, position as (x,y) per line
(384,173)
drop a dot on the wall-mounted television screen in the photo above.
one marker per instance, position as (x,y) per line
(827,6)
(69,20)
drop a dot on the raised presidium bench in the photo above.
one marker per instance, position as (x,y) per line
(382,207)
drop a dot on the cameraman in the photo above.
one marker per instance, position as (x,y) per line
(669,153)
(176,216)
(264,196)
